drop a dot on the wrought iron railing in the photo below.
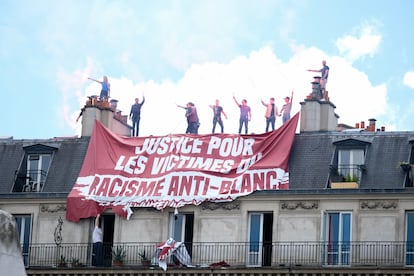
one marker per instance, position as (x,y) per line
(346,173)
(276,254)
(29,180)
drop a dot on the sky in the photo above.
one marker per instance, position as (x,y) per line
(176,51)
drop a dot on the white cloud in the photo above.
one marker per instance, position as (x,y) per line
(409,79)
(365,43)
(259,75)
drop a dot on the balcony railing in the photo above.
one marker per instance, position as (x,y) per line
(346,173)
(277,254)
(29,181)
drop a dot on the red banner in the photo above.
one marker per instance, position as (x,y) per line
(175,170)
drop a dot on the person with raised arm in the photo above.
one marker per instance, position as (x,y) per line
(97,240)
(271,113)
(106,87)
(193,122)
(245,115)
(135,115)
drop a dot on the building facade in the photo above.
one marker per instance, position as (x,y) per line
(350,203)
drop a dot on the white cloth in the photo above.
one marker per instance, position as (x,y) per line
(172,247)
(97,235)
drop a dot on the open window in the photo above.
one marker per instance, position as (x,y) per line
(409,168)
(259,251)
(348,163)
(34,168)
(181,230)
(24,225)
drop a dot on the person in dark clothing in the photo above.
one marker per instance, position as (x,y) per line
(218,110)
(135,115)
(193,122)
(324,77)
(80,114)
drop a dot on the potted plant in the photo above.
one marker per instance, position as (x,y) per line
(75,262)
(62,261)
(145,261)
(405,166)
(119,255)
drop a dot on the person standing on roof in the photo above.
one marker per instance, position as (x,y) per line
(245,115)
(217,111)
(106,87)
(286,109)
(271,113)
(324,77)
(135,115)
(193,122)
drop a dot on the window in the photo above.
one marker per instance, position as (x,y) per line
(409,254)
(337,233)
(260,239)
(348,163)
(409,174)
(24,223)
(37,168)
(181,229)
(108,226)
(32,174)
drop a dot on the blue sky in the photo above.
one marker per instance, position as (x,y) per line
(180,51)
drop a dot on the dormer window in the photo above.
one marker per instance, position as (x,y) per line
(348,163)
(409,169)
(34,168)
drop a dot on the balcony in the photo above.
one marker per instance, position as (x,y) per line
(235,255)
(29,181)
(345,176)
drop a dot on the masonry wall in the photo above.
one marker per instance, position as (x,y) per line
(293,220)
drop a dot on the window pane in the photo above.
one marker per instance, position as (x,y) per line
(357,157)
(333,230)
(410,239)
(346,227)
(178,221)
(344,157)
(46,162)
(346,238)
(254,232)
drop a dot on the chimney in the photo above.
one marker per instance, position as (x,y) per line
(317,114)
(103,112)
(316,88)
(114,104)
(371,126)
